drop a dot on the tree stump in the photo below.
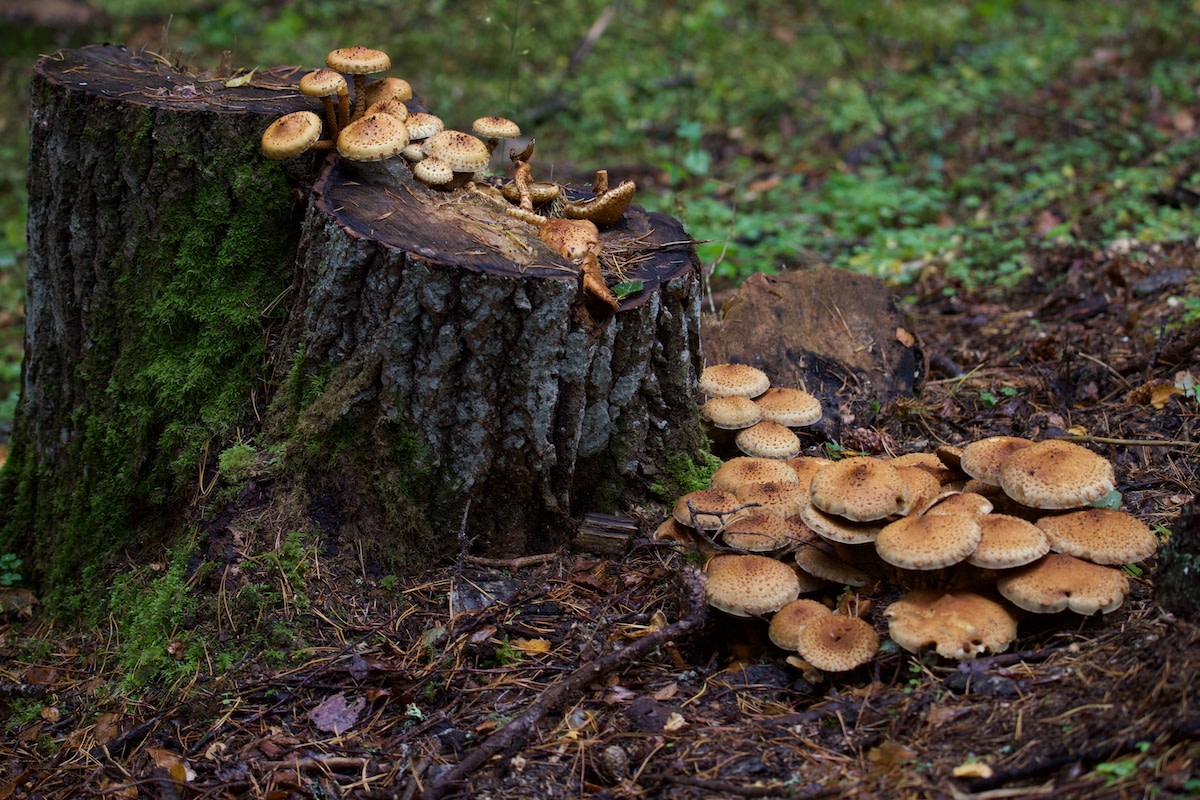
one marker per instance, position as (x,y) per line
(398,361)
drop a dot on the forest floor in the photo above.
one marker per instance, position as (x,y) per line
(363,685)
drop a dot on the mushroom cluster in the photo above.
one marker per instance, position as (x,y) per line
(744,413)
(974,536)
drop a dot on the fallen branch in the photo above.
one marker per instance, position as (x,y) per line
(512,736)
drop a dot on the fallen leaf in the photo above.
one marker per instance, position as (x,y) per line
(334,715)
(532,646)
(240,80)
(973,770)
(675,722)
(42,676)
(890,753)
(667,692)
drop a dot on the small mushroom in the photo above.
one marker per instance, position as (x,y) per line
(1100,535)
(433,171)
(731,413)
(291,135)
(766,439)
(837,643)
(928,542)
(422,125)
(981,459)
(327,84)
(793,408)
(389,88)
(606,206)
(493,129)
(389,106)
(706,509)
(719,380)
(741,470)
(464,153)
(372,138)
(787,622)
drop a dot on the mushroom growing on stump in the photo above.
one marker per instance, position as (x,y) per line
(464,153)
(493,129)
(606,206)
(327,84)
(389,88)
(786,623)
(291,135)
(360,62)
(372,138)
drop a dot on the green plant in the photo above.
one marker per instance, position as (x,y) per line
(682,474)
(9,566)
(239,463)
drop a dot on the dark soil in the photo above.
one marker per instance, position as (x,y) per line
(364,686)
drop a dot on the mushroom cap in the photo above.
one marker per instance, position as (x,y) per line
(781,498)
(837,642)
(741,470)
(323,83)
(422,125)
(462,151)
(794,408)
(570,238)
(766,439)
(540,192)
(787,622)
(389,106)
(982,458)
(1057,582)
(929,542)
(961,503)
(750,585)
(1056,474)
(358,60)
(718,380)
(960,625)
(495,128)
(291,135)
(1008,542)
(373,137)
(758,531)
(928,462)
(713,508)
(837,528)
(923,487)
(603,209)
(731,412)
(815,561)
(388,89)
(859,488)
(1100,535)
(433,171)
(413,152)
(806,466)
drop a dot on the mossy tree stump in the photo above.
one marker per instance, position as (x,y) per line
(401,359)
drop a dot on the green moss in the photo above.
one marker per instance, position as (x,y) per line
(681,473)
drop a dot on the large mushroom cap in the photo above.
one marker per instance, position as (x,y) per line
(981,459)
(747,469)
(1007,542)
(462,151)
(388,89)
(788,621)
(731,412)
(719,380)
(837,643)
(794,408)
(859,488)
(1100,535)
(291,135)
(750,585)
(389,106)
(928,542)
(766,439)
(1056,474)
(758,532)
(358,60)
(1057,582)
(781,498)
(960,625)
(372,138)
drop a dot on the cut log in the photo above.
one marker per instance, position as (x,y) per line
(393,357)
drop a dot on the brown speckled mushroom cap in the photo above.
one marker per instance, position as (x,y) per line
(750,585)
(372,138)
(758,531)
(323,83)
(781,498)
(1056,474)
(291,135)
(462,151)
(767,439)
(787,622)
(388,89)
(815,561)
(859,488)
(433,171)
(719,380)
(923,487)
(806,466)
(1100,535)
(1008,542)
(982,458)
(961,503)
(928,462)
(1057,582)
(960,625)
(793,408)
(839,529)
(494,127)
(837,643)
(389,106)
(358,60)
(714,508)
(422,125)
(928,542)
(747,469)
(731,412)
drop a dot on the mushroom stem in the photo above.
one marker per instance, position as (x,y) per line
(343,110)
(331,118)
(360,95)
(600,183)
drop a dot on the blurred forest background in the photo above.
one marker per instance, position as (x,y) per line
(941,145)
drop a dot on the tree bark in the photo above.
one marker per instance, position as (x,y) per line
(391,356)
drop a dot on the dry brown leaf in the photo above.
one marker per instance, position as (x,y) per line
(890,753)
(335,715)
(532,646)
(973,770)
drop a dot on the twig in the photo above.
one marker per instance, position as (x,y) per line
(512,563)
(513,735)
